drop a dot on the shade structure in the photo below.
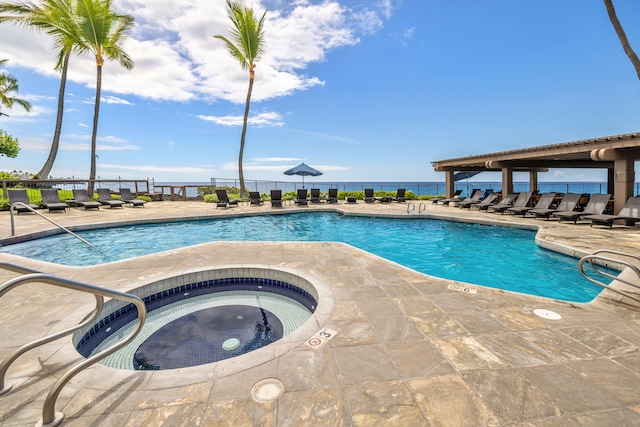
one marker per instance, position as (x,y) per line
(303,170)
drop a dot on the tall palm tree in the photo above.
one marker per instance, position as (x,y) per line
(8,87)
(247,46)
(622,36)
(54,17)
(101,32)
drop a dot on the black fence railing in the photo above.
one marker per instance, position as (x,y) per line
(114,185)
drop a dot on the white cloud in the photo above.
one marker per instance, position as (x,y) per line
(115,100)
(268,119)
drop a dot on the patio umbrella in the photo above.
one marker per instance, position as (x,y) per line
(303,170)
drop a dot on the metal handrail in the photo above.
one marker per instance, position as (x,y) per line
(422,207)
(13,229)
(595,257)
(49,416)
(410,207)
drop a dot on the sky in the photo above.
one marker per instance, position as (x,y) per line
(362,90)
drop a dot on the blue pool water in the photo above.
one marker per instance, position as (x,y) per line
(497,257)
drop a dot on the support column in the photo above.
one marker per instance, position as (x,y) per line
(624,177)
(450,185)
(507,181)
(533,180)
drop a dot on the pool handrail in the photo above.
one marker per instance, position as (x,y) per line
(13,229)
(49,416)
(596,258)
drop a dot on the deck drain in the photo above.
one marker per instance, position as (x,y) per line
(267,390)
(231,344)
(547,314)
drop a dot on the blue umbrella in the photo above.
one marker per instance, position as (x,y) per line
(303,170)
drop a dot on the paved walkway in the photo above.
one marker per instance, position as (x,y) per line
(409,349)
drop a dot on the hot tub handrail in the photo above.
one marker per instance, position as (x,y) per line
(49,416)
(596,259)
(23,205)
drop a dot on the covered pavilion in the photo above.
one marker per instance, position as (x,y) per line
(616,154)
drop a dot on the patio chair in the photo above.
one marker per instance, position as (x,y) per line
(276,198)
(567,204)
(20,196)
(223,200)
(368,195)
(104,197)
(455,196)
(522,200)
(630,213)
(81,198)
(399,197)
(505,201)
(333,195)
(255,199)
(487,201)
(543,202)
(315,196)
(596,206)
(474,198)
(127,197)
(301,199)
(475,195)
(51,200)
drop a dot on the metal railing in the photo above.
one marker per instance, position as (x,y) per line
(49,416)
(595,259)
(23,205)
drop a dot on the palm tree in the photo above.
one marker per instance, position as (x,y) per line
(622,36)
(101,32)
(247,34)
(55,18)
(9,86)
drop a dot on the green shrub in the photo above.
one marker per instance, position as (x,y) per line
(143,197)
(210,198)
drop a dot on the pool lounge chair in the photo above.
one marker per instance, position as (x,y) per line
(255,199)
(51,200)
(128,198)
(399,197)
(568,203)
(82,199)
(315,196)
(474,198)
(487,201)
(223,200)
(455,196)
(333,195)
(20,196)
(301,199)
(505,201)
(543,202)
(368,195)
(596,206)
(521,201)
(104,197)
(276,198)
(630,213)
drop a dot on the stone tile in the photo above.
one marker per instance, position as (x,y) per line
(478,322)
(305,368)
(238,385)
(173,396)
(380,307)
(451,301)
(177,415)
(346,310)
(353,332)
(415,359)
(384,403)
(467,353)
(611,377)
(395,329)
(519,320)
(601,341)
(438,325)
(448,401)
(417,306)
(365,363)
(241,412)
(510,396)
(621,418)
(311,408)
(630,361)
(114,419)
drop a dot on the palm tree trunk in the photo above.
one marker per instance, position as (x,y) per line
(622,36)
(48,165)
(94,135)
(244,133)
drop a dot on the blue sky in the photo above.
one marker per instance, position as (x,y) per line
(362,90)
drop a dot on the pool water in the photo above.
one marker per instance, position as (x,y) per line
(497,257)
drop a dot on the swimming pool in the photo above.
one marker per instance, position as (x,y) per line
(497,257)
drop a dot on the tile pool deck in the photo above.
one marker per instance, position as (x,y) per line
(409,350)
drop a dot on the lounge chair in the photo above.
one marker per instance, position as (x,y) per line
(20,196)
(543,202)
(521,201)
(596,206)
(104,197)
(315,196)
(276,198)
(399,197)
(301,199)
(223,200)
(82,199)
(474,193)
(474,198)
(255,199)
(51,200)
(487,201)
(505,201)
(630,213)
(333,195)
(568,203)
(455,196)
(127,197)
(368,195)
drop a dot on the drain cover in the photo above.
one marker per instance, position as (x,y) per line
(267,390)
(231,344)
(547,314)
